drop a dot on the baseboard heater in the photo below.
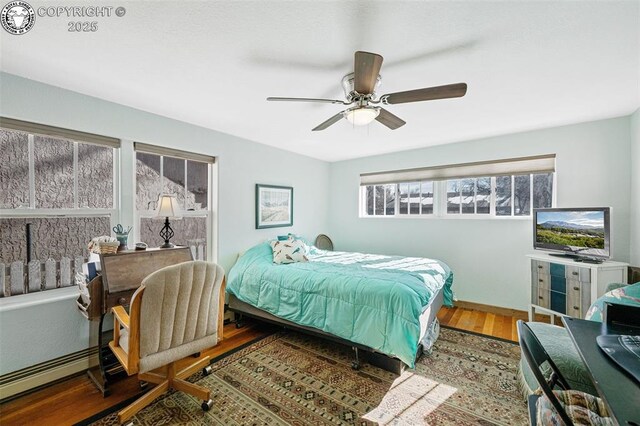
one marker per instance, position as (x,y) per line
(29,379)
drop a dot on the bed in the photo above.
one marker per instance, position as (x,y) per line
(385,305)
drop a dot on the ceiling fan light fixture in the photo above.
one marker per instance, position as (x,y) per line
(361,116)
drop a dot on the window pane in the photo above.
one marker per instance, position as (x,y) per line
(414,198)
(379,200)
(188,231)
(53,162)
(483,195)
(173,182)
(503,196)
(542,190)
(369,197)
(453,196)
(521,192)
(95,176)
(468,190)
(426,198)
(390,191)
(69,239)
(197,185)
(14,169)
(147,180)
(404,198)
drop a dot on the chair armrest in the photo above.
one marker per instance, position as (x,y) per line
(121,315)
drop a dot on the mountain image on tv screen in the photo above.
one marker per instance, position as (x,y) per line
(574,229)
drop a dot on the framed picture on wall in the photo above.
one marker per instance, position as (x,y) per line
(274,206)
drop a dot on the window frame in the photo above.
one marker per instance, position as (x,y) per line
(440,201)
(208,213)
(75,211)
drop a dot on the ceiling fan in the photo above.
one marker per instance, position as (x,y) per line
(360,91)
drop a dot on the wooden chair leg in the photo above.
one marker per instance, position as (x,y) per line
(188,371)
(199,392)
(142,402)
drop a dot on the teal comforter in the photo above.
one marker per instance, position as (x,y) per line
(369,299)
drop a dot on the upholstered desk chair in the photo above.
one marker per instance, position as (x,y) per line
(176,312)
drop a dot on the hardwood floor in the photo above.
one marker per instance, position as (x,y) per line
(76,399)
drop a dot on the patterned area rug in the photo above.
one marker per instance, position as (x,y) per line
(294,379)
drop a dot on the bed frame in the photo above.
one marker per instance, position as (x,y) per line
(361,352)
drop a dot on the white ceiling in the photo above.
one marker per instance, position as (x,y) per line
(528,65)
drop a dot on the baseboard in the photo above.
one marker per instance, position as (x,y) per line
(515,313)
(28,379)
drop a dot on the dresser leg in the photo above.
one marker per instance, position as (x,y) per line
(531,313)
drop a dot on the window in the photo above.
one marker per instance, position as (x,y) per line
(474,196)
(413,198)
(185,175)
(61,183)
(511,187)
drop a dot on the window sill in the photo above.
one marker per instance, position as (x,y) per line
(449,217)
(40,298)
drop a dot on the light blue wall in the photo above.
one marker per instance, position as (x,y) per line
(488,255)
(635,188)
(241,164)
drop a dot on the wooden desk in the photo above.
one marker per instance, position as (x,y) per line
(619,391)
(122,274)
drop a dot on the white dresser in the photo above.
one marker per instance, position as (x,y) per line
(562,286)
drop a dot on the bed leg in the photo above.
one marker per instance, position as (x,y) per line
(355,364)
(239,320)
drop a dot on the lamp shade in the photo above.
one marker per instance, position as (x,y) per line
(361,116)
(168,207)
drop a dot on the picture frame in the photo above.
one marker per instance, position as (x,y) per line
(274,206)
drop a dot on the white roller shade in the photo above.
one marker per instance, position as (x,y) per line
(58,132)
(510,166)
(176,153)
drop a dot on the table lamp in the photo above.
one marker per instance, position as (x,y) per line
(167,208)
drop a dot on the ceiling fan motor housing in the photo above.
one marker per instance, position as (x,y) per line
(350,92)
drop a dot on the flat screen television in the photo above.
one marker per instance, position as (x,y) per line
(581,233)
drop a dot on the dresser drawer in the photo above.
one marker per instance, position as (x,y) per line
(543,298)
(540,267)
(578,273)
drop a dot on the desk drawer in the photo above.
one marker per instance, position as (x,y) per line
(120,298)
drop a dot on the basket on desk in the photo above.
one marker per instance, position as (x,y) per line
(108,248)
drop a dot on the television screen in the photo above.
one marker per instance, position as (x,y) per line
(579,231)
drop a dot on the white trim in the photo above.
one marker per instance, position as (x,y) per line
(32,172)
(21,301)
(42,378)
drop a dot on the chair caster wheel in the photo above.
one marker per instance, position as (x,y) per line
(207,370)
(143,385)
(206,405)
(355,365)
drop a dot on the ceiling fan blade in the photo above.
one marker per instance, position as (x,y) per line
(427,94)
(390,120)
(366,69)
(329,122)
(327,101)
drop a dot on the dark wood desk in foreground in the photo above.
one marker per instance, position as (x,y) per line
(620,392)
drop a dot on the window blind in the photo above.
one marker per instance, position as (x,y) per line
(176,153)
(58,132)
(509,166)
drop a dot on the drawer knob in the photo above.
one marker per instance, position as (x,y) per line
(576,308)
(574,273)
(539,266)
(576,288)
(540,297)
(540,279)
(122,301)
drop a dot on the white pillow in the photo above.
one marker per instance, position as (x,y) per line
(289,251)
